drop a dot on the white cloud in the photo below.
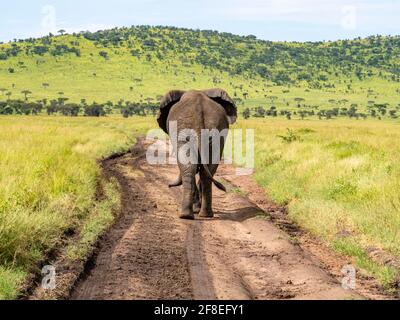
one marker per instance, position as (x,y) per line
(281,9)
(316,12)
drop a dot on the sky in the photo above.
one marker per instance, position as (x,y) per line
(275,20)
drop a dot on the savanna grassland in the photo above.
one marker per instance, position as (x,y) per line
(325,116)
(340,181)
(48,180)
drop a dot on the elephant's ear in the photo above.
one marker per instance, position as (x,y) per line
(167,102)
(221,97)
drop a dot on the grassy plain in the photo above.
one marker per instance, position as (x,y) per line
(340,180)
(48,179)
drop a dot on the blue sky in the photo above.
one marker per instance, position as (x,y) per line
(291,20)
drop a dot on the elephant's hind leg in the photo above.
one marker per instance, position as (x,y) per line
(206,193)
(197,199)
(189,190)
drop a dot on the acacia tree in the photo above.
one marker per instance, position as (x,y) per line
(26,93)
(299,101)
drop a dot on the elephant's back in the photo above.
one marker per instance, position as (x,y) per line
(195,106)
(215,116)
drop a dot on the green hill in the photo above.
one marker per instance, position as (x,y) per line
(141,63)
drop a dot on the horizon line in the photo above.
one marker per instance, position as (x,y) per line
(66,32)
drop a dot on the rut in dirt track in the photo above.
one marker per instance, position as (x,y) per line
(151,254)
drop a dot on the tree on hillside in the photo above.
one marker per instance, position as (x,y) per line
(62,32)
(103,54)
(26,93)
(303,114)
(299,101)
(246,113)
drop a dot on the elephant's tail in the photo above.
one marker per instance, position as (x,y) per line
(219,185)
(177,183)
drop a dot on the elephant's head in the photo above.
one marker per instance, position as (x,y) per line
(217,95)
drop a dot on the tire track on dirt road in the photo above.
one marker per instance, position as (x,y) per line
(151,254)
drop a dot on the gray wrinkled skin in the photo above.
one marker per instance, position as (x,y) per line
(197,110)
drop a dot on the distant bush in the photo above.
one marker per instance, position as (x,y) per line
(103,54)
(40,50)
(20,107)
(94,110)
(62,49)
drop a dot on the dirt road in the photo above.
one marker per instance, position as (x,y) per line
(241,254)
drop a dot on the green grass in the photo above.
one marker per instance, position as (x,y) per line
(10,280)
(100,218)
(384,274)
(48,179)
(341,176)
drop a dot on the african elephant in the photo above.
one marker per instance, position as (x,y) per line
(196,112)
